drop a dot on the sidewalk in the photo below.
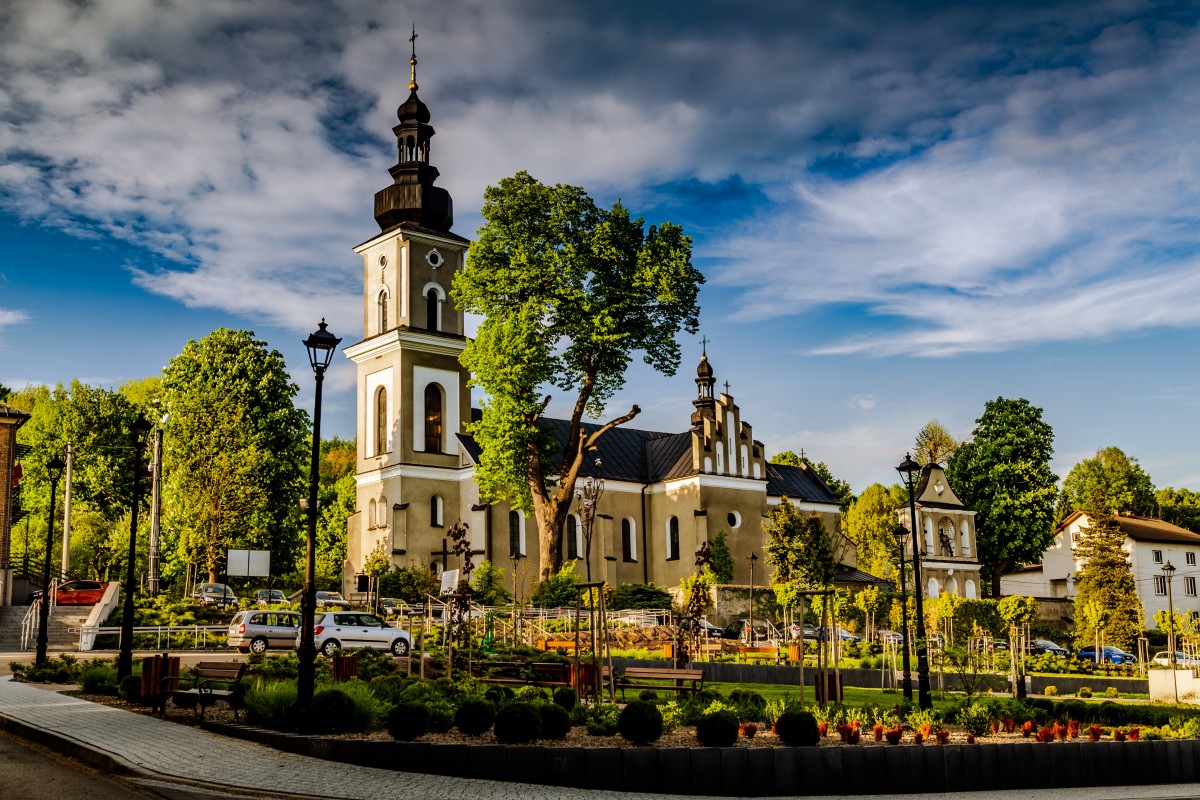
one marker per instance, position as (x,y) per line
(117,740)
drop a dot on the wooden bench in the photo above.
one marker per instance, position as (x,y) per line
(552,645)
(759,654)
(681,680)
(215,680)
(550,673)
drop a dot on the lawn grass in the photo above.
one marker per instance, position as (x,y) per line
(857,696)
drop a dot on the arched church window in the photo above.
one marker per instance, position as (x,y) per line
(966,539)
(433,418)
(381,512)
(380,421)
(431,310)
(514,534)
(383,315)
(673,539)
(371,514)
(572,537)
(628,540)
(435,511)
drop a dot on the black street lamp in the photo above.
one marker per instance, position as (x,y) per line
(55,470)
(909,470)
(137,431)
(752,558)
(1168,570)
(589,500)
(320,344)
(901,532)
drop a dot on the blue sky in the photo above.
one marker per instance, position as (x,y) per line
(902,210)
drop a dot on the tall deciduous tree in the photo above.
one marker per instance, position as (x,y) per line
(1179,507)
(1116,477)
(569,292)
(801,550)
(1106,597)
(934,444)
(870,524)
(234,450)
(841,489)
(1003,473)
(722,559)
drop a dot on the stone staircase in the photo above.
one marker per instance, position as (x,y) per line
(59,637)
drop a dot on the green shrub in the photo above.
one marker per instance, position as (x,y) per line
(474,716)
(131,689)
(579,715)
(602,720)
(556,721)
(1114,714)
(388,688)
(751,705)
(1050,691)
(271,704)
(1084,691)
(672,715)
(499,694)
(56,669)
(373,663)
(566,696)
(639,595)
(331,712)
(517,723)
(408,720)
(718,729)
(369,709)
(441,716)
(98,679)
(640,722)
(649,695)
(1112,692)
(532,694)
(975,718)
(797,729)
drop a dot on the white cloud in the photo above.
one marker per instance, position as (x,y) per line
(861,402)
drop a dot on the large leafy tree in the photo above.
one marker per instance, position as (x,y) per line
(569,292)
(870,524)
(1003,473)
(1106,597)
(934,444)
(235,447)
(841,489)
(1118,479)
(1179,507)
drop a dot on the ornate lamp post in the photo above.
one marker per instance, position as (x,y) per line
(752,558)
(55,469)
(906,683)
(589,499)
(909,470)
(138,431)
(320,344)
(1168,570)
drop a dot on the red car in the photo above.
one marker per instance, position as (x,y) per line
(76,593)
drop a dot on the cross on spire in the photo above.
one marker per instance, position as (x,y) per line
(412,80)
(704,346)
(726,387)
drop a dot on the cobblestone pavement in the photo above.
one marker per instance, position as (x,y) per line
(173,752)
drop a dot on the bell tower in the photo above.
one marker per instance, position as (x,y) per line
(412,392)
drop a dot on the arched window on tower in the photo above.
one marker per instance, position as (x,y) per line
(433,418)
(435,511)
(383,315)
(628,540)
(572,537)
(431,310)
(371,514)
(381,512)
(381,421)
(673,539)
(514,534)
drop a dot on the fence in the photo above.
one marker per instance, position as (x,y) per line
(199,634)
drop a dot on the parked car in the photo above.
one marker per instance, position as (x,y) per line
(843,634)
(259,631)
(337,629)
(268,597)
(889,637)
(738,629)
(1043,646)
(808,631)
(332,600)
(1182,659)
(391,607)
(75,593)
(215,595)
(1114,655)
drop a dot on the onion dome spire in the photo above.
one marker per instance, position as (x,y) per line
(705,401)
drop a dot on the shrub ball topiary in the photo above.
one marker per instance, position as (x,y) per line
(718,729)
(517,723)
(797,729)
(441,716)
(474,716)
(331,711)
(649,695)
(499,694)
(1050,691)
(407,721)
(556,721)
(642,723)
(131,689)
(1112,691)
(566,697)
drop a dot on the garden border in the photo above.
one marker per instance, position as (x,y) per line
(768,772)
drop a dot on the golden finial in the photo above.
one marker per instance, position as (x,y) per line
(412,62)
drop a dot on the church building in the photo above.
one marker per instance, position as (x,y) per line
(665,492)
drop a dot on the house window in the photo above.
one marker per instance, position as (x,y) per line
(433,418)
(1189,587)
(673,539)
(380,421)
(572,537)
(628,543)
(435,511)
(1190,559)
(1160,584)
(514,534)
(1157,556)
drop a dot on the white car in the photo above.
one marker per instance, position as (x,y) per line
(333,630)
(1181,659)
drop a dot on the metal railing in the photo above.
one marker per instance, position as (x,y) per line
(29,623)
(198,633)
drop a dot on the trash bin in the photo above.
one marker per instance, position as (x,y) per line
(344,668)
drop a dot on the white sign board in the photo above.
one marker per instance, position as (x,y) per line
(248,563)
(449,581)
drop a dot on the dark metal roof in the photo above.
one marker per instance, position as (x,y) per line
(13,413)
(797,483)
(850,575)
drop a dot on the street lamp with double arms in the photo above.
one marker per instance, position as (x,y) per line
(138,431)
(909,470)
(320,344)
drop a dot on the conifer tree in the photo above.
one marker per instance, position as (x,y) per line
(1106,597)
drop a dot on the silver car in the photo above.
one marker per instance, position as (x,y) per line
(259,631)
(333,630)
(215,595)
